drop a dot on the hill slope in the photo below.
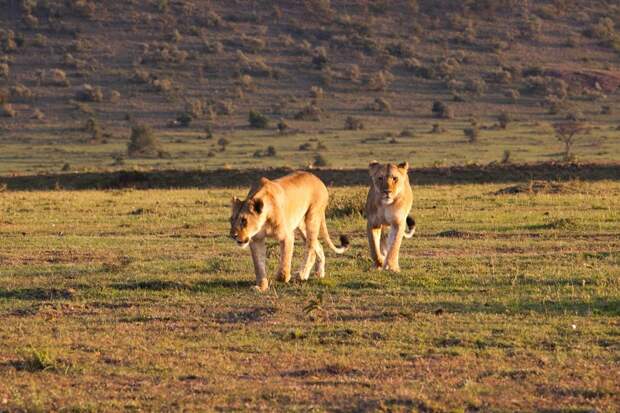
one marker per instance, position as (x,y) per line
(208,63)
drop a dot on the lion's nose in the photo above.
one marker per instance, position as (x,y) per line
(234,234)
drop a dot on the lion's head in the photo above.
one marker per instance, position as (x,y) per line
(246,220)
(389,180)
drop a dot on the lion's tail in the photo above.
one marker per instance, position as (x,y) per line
(410,227)
(344,240)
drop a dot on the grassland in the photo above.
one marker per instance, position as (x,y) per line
(136,300)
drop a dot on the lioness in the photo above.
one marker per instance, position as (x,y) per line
(388,204)
(276,209)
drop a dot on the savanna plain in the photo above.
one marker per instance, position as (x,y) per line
(137,300)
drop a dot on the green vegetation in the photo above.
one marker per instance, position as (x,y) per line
(138,299)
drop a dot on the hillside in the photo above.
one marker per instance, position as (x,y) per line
(76,74)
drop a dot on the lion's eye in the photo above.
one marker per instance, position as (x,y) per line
(244,222)
(395,179)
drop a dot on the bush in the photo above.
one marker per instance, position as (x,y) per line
(319,58)
(351,123)
(92,126)
(380,105)
(89,94)
(310,112)
(258,120)
(58,77)
(283,126)
(143,142)
(7,110)
(472,134)
(184,119)
(305,146)
(319,161)
(271,151)
(5,71)
(506,157)
(441,110)
(504,119)
(20,91)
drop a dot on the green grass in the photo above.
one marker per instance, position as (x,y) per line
(526,141)
(137,300)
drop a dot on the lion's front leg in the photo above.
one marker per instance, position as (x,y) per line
(286,257)
(374,242)
(259,256)
(393,247)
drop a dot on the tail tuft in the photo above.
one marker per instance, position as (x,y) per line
(410,223)
(344,241)
(410,227)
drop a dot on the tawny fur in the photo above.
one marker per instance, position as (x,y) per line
(276,209)
(387,206)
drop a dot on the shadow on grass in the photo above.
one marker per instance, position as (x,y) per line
(38,294)
(200,286)
(597,306)
(225,178)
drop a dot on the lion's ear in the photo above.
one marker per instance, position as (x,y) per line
(235,203)
(264,181)
(373,167)
(257,205)
(404,166)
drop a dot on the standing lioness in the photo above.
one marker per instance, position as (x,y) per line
(276,209)
(388,205)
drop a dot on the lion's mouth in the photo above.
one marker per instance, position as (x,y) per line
(243,243)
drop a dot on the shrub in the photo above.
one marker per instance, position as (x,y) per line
(184,119)
(89,93)
(58,77)
(441,110)
(378,81)
(319,161)
(258,120)
(310,112)
(506,157)
(319,58)
(351,123)
(92,127)
(115,96)
(472,134)
(225,107)
(140,76)
(380,105)
(162,85)
(223,143)
(282,126)
(20,91)
(305,146)
(5,70)
(606,110)
(476,86)
(354,73)
(316,92)
(512,94)
(504,119)
(143,142)
(270,151)
(7,110)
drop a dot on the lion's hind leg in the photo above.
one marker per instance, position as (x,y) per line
(319,267)
(312,240)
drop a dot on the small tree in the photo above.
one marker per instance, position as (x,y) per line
(567,133)
(472,134)
(142,142)
(441,110)
(258,120)
(504,119)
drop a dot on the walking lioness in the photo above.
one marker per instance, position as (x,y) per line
(276,209)
(388,205)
